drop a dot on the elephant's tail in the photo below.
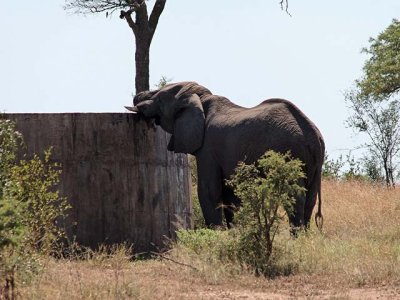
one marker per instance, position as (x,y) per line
(319,218)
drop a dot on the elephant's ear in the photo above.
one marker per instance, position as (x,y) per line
(188,126)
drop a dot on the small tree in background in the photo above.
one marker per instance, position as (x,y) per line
(267,189)
(372,168)
(374,102)
(380,120)
(366,168)
(332,168)
(164,80)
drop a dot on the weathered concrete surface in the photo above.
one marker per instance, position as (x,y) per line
(118,176)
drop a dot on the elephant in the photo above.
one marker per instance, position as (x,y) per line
(220,134)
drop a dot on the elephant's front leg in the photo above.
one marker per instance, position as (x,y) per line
(210,191)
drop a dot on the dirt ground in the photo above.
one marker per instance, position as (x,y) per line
(168,281)
(164,279)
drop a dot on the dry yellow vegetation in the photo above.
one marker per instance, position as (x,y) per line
(356,257)
(361,237)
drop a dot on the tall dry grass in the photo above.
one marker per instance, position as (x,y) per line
(355,209)
(359,245)
(360,242)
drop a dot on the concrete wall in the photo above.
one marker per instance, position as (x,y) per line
(118,176)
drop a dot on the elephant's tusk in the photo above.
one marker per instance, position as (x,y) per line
(132,109)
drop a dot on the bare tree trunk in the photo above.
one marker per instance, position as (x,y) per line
(142,63)
(385,167)
(388,173)
(143,29)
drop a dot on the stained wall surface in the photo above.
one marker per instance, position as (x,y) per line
(122,183)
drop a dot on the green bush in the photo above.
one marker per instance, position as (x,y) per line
(30,207)
(10,141)
(31,191)
(203,240)
(10,225)
(208,250)
(198,240)
(267,189)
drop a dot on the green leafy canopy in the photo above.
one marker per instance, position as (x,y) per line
(382,69)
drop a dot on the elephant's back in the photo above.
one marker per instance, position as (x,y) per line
(283,117)
(273,117)
(275,124)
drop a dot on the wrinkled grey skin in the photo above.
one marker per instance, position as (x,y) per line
(220,134)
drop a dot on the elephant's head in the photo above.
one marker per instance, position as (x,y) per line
(178,110)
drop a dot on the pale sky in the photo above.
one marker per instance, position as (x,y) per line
(248,51)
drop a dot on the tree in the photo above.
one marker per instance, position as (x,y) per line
(143,27)
(374,100)
(382,69)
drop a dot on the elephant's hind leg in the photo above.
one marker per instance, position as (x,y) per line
(308,209)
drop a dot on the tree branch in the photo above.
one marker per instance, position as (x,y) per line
(155,15)
(127,15)
(95,6)
(285,6)
(136,6)
(174,261)
(142,16)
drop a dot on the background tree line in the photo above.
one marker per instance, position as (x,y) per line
(375,108)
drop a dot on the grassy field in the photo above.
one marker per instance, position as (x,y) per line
(356,257)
